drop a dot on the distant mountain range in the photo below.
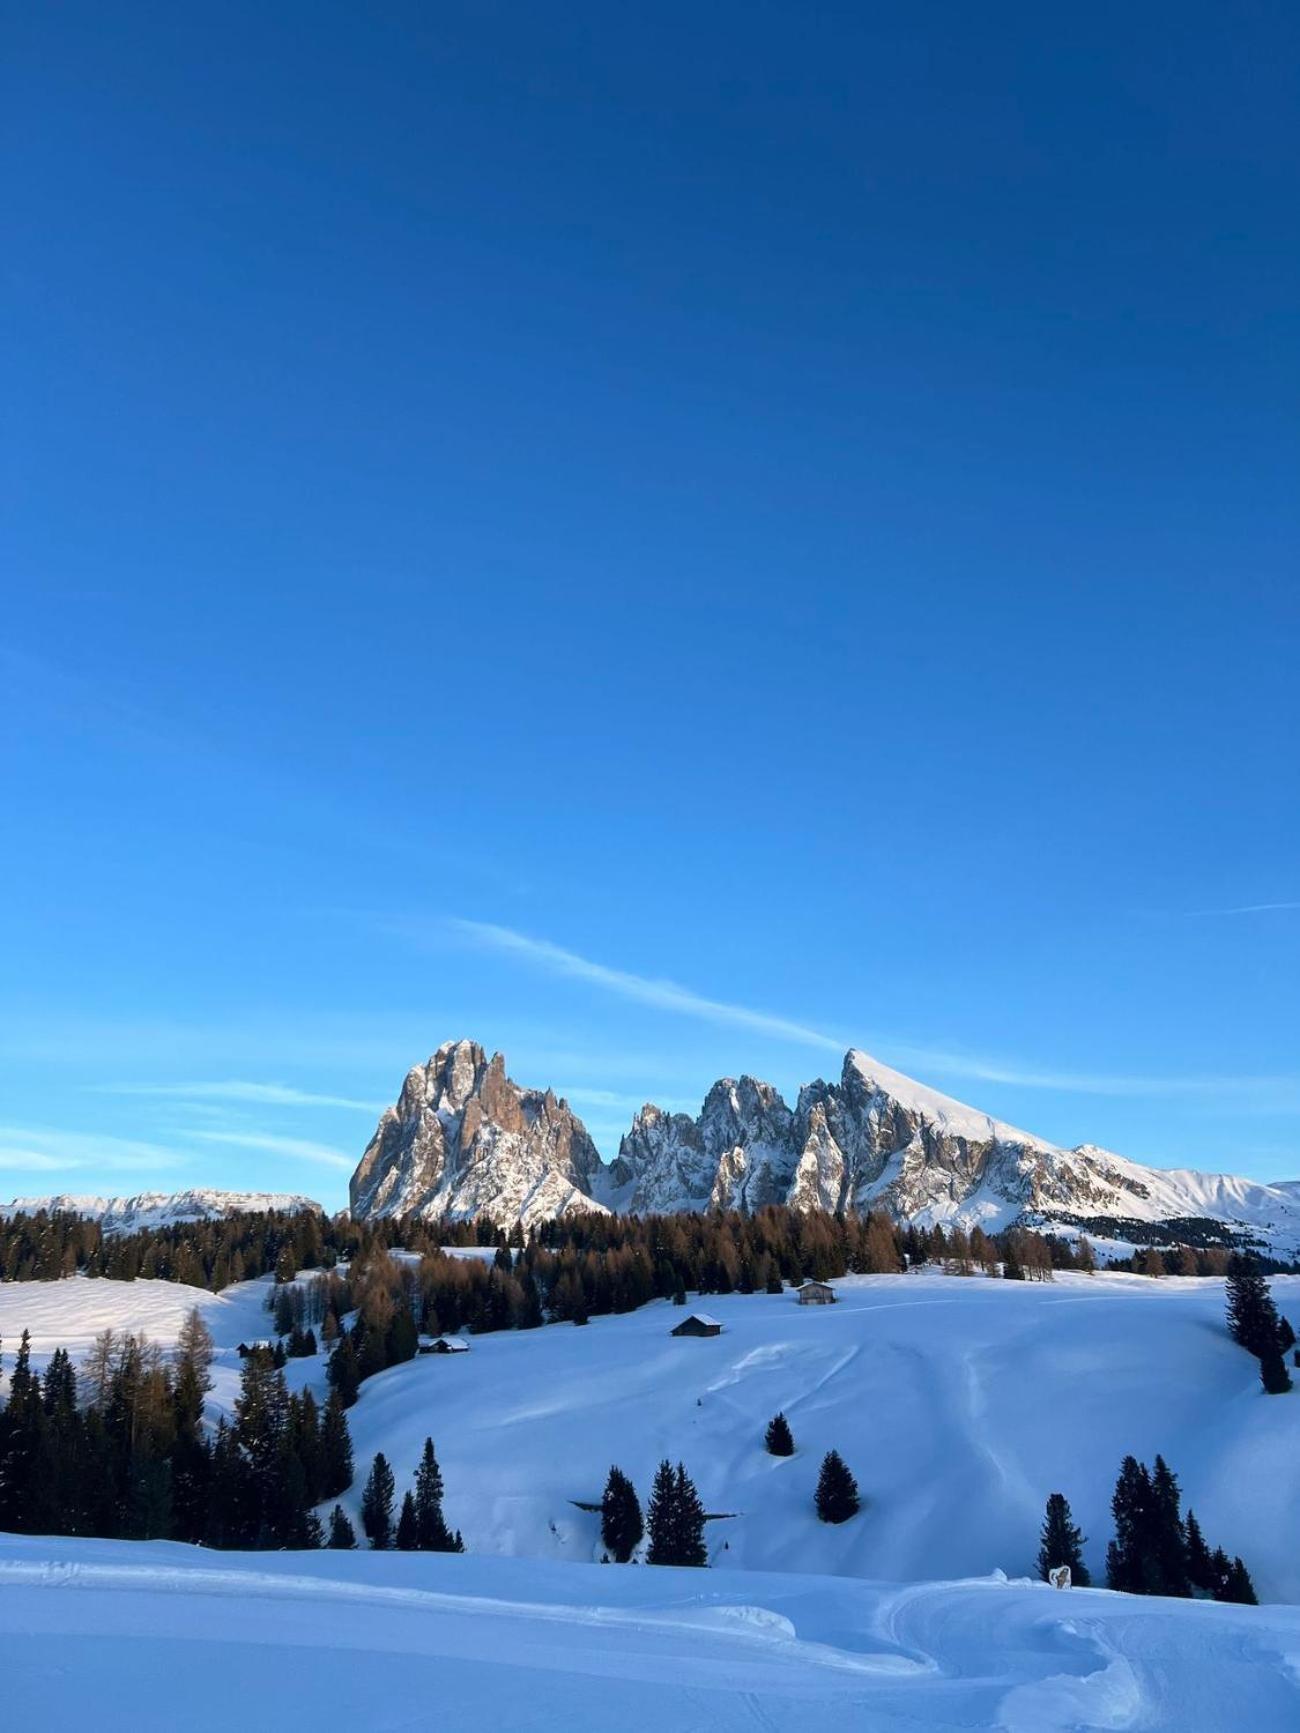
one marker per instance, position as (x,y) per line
(464,1139)
(157,1209)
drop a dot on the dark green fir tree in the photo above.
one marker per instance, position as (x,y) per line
(778,1438)
(342,1535)
(621,1525)
(1061,1542)
(377,1504)
(837,1492)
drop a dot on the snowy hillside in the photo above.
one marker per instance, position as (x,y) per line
(958,1403)
(158,1209)
(380,1641)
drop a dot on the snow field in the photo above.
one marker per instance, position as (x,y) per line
(381,1641)
(959,1404)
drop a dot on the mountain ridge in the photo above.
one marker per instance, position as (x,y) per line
(155,1209)
(463,1139)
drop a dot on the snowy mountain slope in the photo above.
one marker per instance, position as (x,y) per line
(371,1640)
(959,1403)
(157,1209)
(71,1313)
(463,1139)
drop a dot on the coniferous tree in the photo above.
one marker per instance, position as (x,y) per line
(344,1371)
(431,1531)
(660,1516)
(335,1448)
(406,1538)
(1237,1586)
(1131,1508)
(1273,1374)
(342,1535)
(377,1503)
(1061,1542)
(1252,1316)
(1168,1540)
(689,1522)
(675,1519)
(621,1525)
(1200,1566)
(837,1492)
(778,1438)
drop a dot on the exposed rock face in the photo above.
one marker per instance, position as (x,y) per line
(464,1140)
(734,1156)
(877,1140)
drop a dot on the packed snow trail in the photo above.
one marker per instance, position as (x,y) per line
(158,1635)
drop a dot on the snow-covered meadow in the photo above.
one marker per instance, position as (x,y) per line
(958,1403)
(157,1636)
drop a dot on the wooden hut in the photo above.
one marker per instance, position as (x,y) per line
(698,1324)
(815,1293)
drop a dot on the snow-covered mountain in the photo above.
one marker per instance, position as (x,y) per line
(464,1139)
(158,1209)
(877,1139)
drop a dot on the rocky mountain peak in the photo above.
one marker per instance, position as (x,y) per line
(464,1139)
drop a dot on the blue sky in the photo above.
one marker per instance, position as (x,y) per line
(505,506)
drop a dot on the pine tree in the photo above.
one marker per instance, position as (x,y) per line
(335,1448)
(1061,1543)
(377,1504)
(689,1521)
(1273,1374)
(1252,1316)
(1238,1587)
(660,1516)
(621,1525)
(344,1371)
(431,1531)
(1168,1538)
(1131,1509)
(1200,1566)
(837,1492)
(407,1534)
(778,1438)
(342,1535)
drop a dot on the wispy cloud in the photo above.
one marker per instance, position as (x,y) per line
(665,995)
(619,1099)
(270,1143)
(236,1089)
(43,1149)
(1274,1092)
(987,1070)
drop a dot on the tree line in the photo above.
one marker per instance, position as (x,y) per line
(121,1451)
(1155,1550)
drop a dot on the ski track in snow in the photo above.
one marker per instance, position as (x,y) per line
(381,1641)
